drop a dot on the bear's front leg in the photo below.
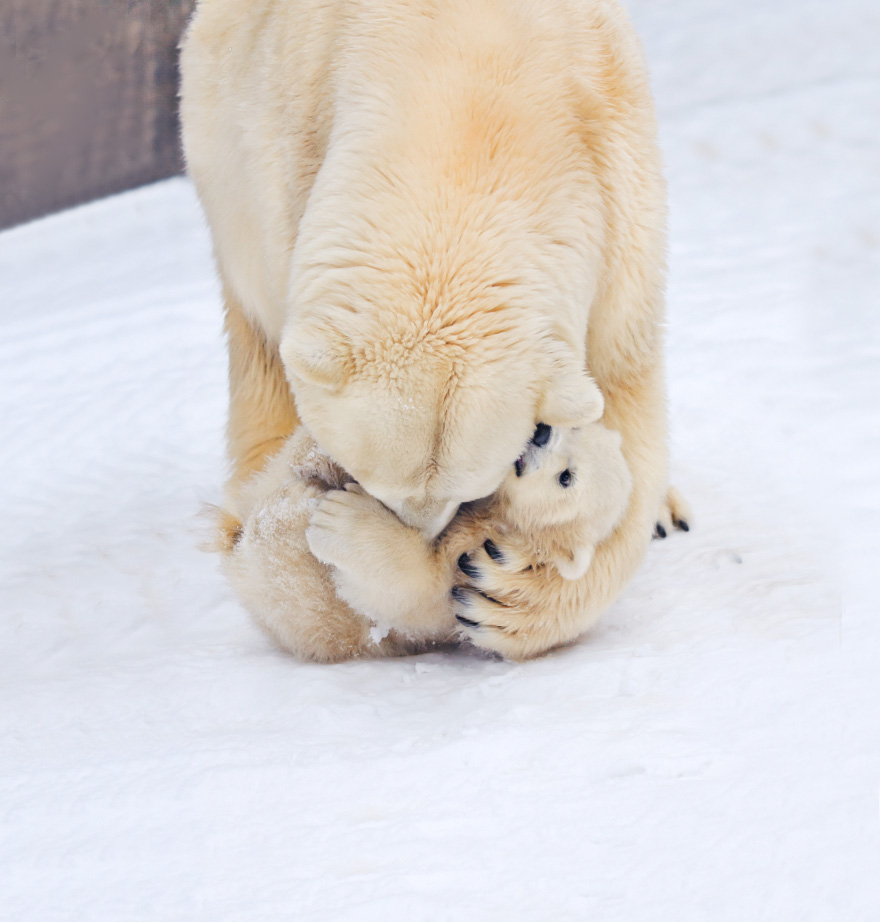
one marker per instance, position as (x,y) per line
(381,567)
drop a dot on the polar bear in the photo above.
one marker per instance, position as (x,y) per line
(563,495)
(430,219)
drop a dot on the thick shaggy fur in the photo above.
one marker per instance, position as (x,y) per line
(270,565)
(430,218)
(316,592)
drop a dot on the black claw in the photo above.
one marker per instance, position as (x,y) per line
(466,621)
(460,594)
(492,550)
(659,531)
(468,567)
(681,525)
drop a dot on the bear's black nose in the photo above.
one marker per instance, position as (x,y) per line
(542,435)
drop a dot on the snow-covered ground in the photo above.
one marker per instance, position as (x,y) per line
(711,752)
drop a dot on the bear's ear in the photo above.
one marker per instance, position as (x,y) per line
(571,399)
(574,565)
(308,353)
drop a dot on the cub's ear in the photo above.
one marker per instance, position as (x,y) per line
(574,566)
(309,352)
(571,399)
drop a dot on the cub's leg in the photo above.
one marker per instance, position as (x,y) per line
(381,567)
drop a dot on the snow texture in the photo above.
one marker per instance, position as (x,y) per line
(710,752)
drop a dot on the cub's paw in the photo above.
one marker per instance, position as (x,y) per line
(342,529)
(674,512)
(499,602)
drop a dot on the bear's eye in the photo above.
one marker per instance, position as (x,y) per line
(565,478)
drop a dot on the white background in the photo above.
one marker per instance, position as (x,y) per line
(710,752)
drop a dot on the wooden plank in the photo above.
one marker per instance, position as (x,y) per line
(88,99)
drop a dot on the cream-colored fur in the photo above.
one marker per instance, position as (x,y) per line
(532,523)
(432,218)
(269,564)
(566,496)
(304,502)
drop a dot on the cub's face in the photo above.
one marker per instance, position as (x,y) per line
(573,481)
(550,481)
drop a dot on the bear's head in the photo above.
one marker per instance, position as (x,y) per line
(428,419)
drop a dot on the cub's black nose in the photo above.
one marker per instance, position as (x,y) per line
(542,435)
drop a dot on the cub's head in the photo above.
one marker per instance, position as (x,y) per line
(567,491)
(428,420)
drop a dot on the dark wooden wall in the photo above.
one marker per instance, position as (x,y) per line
(88,99)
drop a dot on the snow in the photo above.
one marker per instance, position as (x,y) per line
(711,751)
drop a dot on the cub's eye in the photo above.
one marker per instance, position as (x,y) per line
(566,478)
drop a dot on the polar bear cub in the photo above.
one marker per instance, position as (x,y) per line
(563,496)
(305,529)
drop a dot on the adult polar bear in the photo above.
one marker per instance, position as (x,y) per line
(430,217)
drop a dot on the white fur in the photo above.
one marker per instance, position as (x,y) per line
(434,217)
